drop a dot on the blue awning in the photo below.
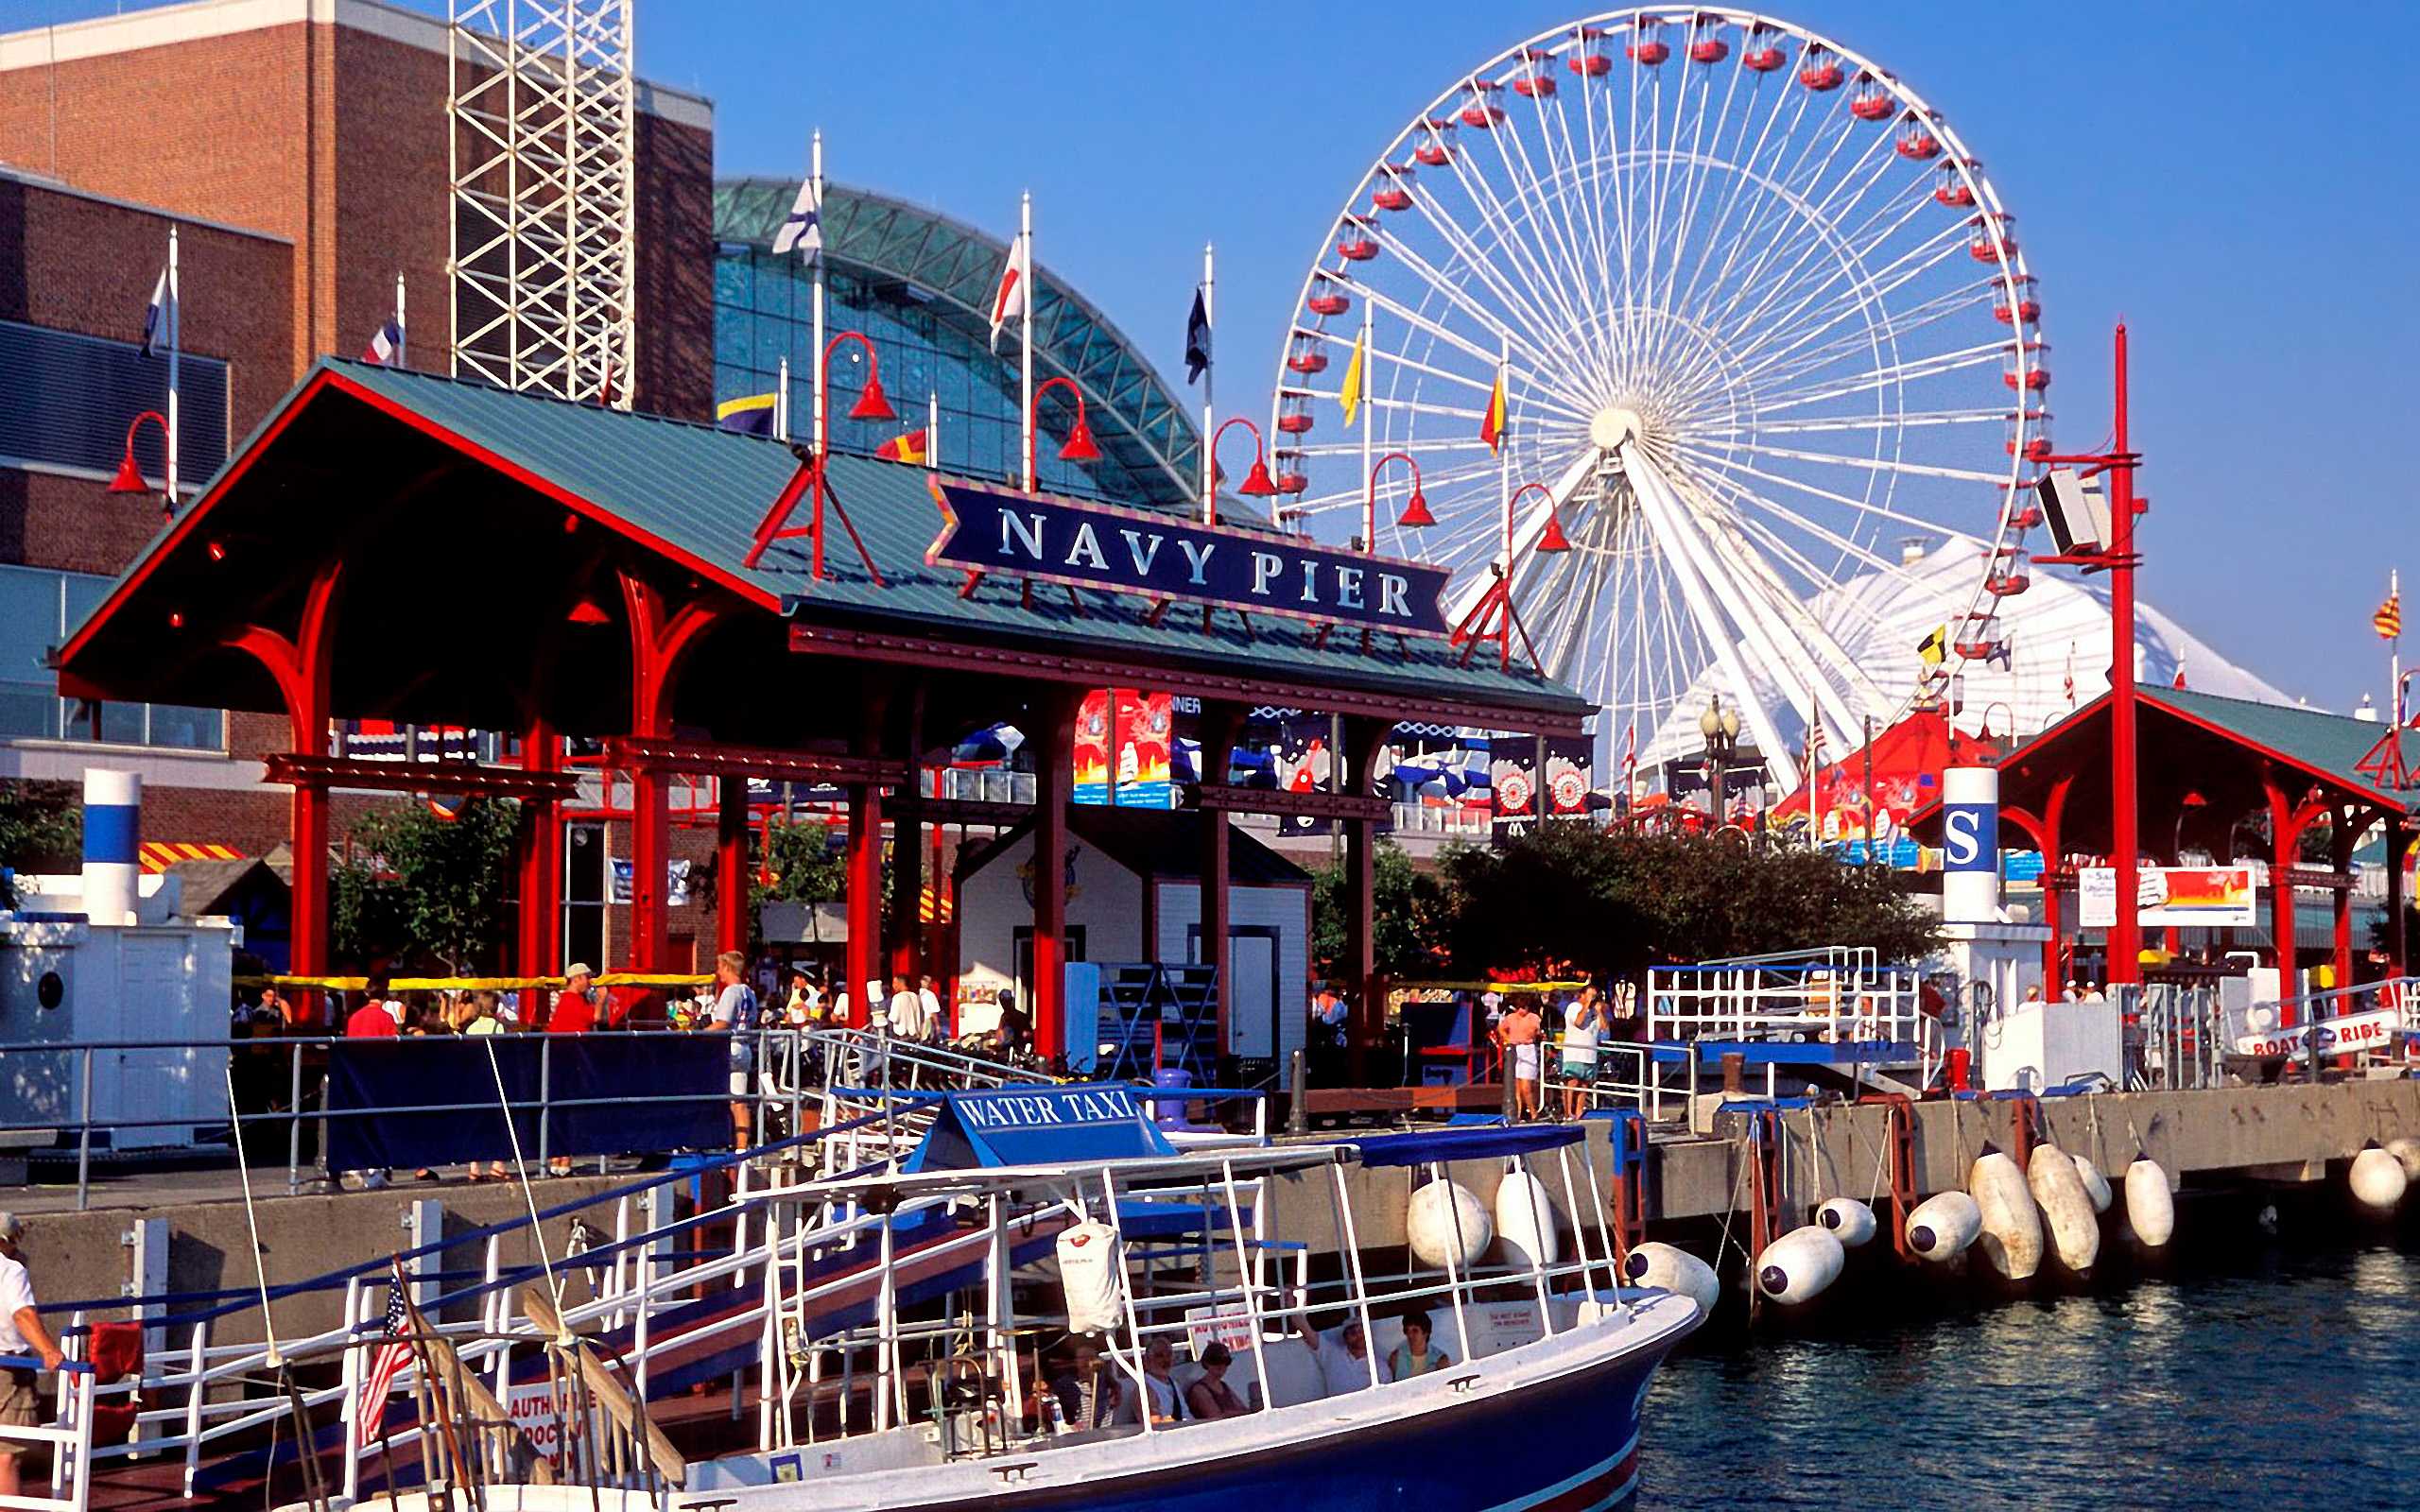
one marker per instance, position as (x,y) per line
(1037,1125)
(1467,1143)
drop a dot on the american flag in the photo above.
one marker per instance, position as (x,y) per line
(393,1355)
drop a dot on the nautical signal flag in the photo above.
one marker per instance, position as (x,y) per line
(1350,395)
(1935,649)
(386,347)
(1490,425)
(160,315)
(749,415)
(2388,621)
(802,229)
(1196,339)
(909,448)
(1009,301)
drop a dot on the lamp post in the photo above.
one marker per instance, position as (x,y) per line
(1415,509)
(1256,484)
(1551,539)
(1079,446)
(130,476)
(2118,557)
(1721,728)
(871,404)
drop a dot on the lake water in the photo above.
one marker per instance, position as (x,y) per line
(2271,1376)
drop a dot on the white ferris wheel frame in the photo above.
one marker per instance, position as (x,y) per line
(1746,613)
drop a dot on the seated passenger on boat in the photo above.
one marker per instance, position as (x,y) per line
(1343,1356)
(1416,1355)
(1211,1397)
(1088,1393)
(1161,1392)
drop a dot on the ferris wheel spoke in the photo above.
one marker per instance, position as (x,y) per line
(1767,231)
(1864,507)
(1743,173)
(1852,275)
(1526,338)
(1588,203)
(1540,323)
(1791,234)
(1867,464)
(1573,294)
(1694,180)
(1882,377)
(1805,354)
(1910,420)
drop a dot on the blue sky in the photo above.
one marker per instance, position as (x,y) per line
(2232,179)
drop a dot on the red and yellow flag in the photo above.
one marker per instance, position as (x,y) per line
(1490,425)
(2388,621)
(908,448)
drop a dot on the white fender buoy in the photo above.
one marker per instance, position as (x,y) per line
(1941,1226)
(2378,1179)
(2096,1186)
(2151,1208)
(1446,1220)
(1524,1221)
(1669,1268)
(1850,1221)
(2407,1149)
(2012,1237)
(2058,1188)
(1094,1275)
(1797,1266)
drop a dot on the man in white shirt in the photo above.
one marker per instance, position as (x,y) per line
(929,1001)
(20,1334)
(1344,1357)
(906,1010)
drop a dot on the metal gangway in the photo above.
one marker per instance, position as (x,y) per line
(865,1080)
(1835,1009)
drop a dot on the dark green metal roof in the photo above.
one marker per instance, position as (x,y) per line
(697,493)
(1146,424)
(2332,743)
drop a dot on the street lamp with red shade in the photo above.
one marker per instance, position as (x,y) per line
(1415,514)
(130,475)
(1079,446)
(1257,483)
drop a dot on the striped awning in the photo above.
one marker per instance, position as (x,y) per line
(159,855)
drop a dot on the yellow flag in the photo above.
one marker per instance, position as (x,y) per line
(1350,395)
(1933,649)
(1490,425)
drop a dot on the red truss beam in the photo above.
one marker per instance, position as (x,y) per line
(657,754)
(1224,800)
(471,778)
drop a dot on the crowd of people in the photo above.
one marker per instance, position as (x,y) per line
(1080,1390)
(1588,1022)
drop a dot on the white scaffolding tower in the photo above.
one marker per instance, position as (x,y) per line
(542,172)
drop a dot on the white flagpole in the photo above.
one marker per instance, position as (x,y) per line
(814,171)
(782,401)
(932,429)
(1369,412)
(1025,273)
(2394,652)
(1209,381)
(176,336)
(1503,455)
(402,331)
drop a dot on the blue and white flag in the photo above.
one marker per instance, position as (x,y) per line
(386,347)
(803,232)
(159,318)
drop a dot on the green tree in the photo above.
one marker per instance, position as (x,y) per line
(799,867)
(1410,908)
(41,829)
(1574,898)
(416,887)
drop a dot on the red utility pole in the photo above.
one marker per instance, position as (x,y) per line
(2118,557)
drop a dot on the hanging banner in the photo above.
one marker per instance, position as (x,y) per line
(676,881)
(1513,775)
(1126,734)
(1569,764)
(2169,896)
(986,528)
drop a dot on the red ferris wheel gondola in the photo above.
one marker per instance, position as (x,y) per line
(2025,366)
(1648,48)
(1357,240)
(1394,191)
(1589,61)
(1480,110)
(1705,41)
(1294,411)
(1327,297)
(1434,150)
(1761,54)
(1954,191)
(1993,239)
(1533,82)
(1870,100)
(1819,70)
(1306,357)
(2024,309)
(1917,143)
(1291,476)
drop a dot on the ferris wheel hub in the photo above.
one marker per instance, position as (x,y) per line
(1613,426)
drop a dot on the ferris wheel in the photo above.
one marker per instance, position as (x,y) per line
(1691,330)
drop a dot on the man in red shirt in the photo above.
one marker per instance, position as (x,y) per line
(372,1019)
(574,1012)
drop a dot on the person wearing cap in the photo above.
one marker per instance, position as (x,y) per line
(22,1336)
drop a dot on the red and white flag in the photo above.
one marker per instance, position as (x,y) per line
(1010,301)
(386,1362)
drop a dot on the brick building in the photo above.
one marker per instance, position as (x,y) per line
(301,149)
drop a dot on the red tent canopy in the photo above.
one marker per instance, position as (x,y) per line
(1907,761)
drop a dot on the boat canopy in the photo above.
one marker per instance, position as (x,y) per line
(1426,1145)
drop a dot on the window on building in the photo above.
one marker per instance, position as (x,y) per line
(38,607)
(67,400)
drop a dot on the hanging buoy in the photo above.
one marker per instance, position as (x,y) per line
(1444,1221)
(2407,1149)
(1670,1268)
(2378,1179)
(1524,1221)
(2012,1237)
(1850,1221)
(1094,1275)
(2058,1187)
(1941,1226)
(2096,1186)
(1797,1266)
(2151,1208)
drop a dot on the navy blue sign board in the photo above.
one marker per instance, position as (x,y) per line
(1970,836)
(1159,555)
(1037,1125)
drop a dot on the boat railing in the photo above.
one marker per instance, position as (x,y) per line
(1841,997)
(2366,1025)
(69,1438)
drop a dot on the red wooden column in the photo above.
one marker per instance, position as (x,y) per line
(541,859)
(2054,809)
(1054,747)
(2283,834)
(2398,844)
(863,865)
(1220,722)
(301,665)
(908,948)
(1363,739)
(732,877)
(2340,857)
(658,642)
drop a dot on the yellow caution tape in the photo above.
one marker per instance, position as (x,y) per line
(473,984)
(1488,987)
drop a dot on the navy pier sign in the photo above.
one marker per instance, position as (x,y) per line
(1158,556)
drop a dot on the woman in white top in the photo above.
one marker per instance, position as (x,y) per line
(1582,1021)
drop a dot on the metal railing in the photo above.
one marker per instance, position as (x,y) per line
(2369,1025)
(69,1435)
(1834,995)
(2177,1037)
(781,1084)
